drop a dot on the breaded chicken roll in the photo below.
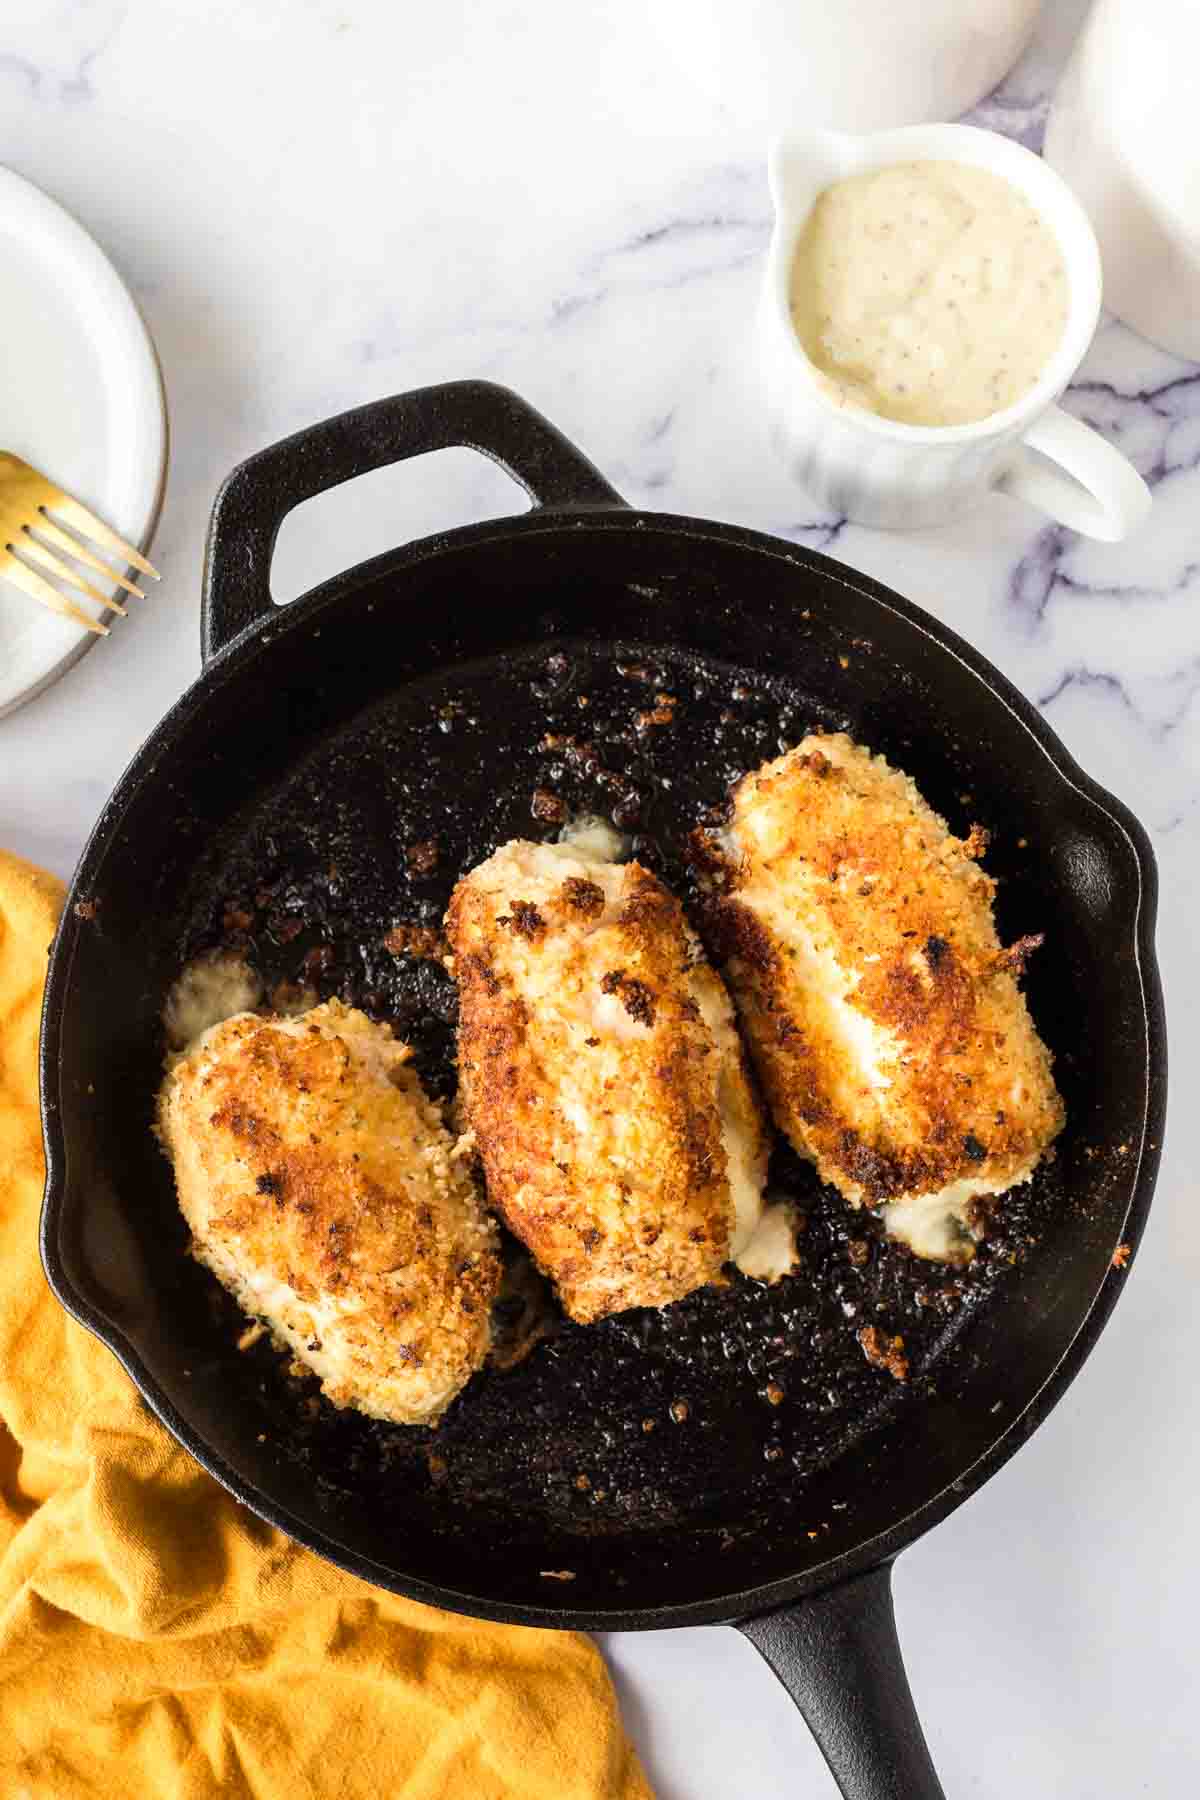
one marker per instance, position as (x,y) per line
(321,1188)
(603,1077)
(884,1018)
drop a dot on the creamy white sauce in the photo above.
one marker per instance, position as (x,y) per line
(928,292)
(207,991)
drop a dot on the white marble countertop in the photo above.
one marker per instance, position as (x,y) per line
(319,205)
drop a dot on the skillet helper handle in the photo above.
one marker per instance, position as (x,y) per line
(256,498)
(838,1656)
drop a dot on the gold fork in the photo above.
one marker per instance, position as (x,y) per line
(41,528)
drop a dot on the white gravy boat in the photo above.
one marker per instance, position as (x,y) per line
(882,472)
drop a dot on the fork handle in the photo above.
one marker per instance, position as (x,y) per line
(256,498)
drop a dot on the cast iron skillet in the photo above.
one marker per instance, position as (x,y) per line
(735,1458)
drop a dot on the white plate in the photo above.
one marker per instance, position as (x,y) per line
(81,399)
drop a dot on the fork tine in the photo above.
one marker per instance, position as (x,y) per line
(49,559)
(80,553)
(77,516)
(38,588)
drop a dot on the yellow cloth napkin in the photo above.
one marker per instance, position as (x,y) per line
(157,1639)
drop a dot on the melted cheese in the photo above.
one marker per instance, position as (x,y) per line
(939,1226)
(771,1250)
(210,989)
(592,839)
(742,1166)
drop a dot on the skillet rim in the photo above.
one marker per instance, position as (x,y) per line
(242,652)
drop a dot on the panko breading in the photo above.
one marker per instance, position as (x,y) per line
(322,1190)
(603,1077)
(882,1014)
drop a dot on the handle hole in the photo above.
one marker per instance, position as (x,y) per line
(1058,471)
(376,512)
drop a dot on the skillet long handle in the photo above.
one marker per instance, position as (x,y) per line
(256,498)
(838,1656)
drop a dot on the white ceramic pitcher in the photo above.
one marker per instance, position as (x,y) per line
(883,472)
(856,65)
(1125,132)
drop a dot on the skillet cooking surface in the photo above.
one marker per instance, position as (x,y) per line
(294,779)
(767,1386)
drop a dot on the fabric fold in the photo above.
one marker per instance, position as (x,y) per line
(157,1639)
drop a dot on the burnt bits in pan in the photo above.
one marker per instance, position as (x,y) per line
(650,1418)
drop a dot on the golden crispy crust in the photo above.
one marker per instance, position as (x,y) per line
(320,1186)
(590,1078)
(882,1014)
